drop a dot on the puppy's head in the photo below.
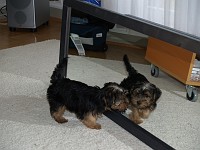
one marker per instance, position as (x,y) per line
(115,97)
(144,96)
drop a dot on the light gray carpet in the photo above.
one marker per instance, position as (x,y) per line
(25,122)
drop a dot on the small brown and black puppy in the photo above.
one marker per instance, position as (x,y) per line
(143,95)
(87,102)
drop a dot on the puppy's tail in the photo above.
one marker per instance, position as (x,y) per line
(58,71)
(130,69)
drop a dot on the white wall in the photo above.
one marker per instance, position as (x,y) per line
(113,5)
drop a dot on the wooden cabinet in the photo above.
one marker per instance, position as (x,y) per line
(175,61)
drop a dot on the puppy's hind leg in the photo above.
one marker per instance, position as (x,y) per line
(90,121)
(58,114)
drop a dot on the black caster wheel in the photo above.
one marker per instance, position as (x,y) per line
(105,48)
(12,29)
(46,23)
(34,30)
(154,70)
(192,94)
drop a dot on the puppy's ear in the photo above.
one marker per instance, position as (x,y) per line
(108,97)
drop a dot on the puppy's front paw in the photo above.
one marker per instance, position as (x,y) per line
(97,126)
(135,119)
(139,121)
(94,126)
(61,120)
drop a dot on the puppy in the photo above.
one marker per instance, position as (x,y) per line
(87,102)
(143,95)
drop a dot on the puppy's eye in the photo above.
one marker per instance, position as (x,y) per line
(126,92)
(117,103)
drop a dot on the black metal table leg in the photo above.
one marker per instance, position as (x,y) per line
(65,34)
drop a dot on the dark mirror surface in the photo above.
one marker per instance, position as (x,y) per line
(174,119)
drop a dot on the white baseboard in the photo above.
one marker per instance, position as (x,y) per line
(123,30)
(56,4)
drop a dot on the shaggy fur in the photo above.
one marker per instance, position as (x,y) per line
(143,95)
(87,102)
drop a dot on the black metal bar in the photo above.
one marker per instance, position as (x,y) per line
(137,131)
(64,39)
(169,35)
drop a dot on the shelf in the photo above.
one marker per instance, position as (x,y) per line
(175,61)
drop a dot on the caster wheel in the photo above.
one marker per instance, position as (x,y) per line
(46,23)
(154,70)
(34,30)
(12,29)
(105,48)
(192,94)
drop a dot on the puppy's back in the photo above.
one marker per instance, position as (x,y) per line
(133,75)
